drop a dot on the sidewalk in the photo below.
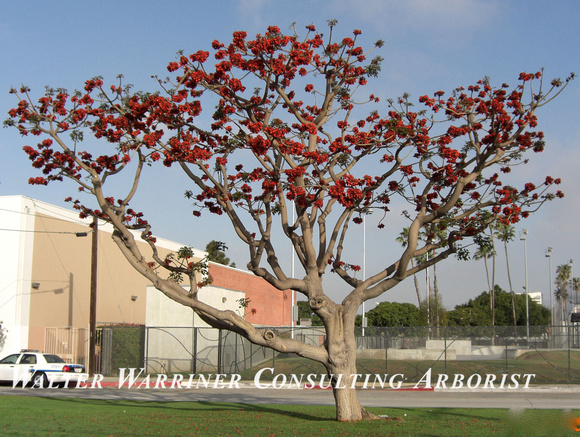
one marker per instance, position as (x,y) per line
(226,383)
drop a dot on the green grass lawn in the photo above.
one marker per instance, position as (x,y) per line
(550,367)
(36,416)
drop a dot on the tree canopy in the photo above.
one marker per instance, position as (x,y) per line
(216,253)
(477,311)
(394,314)
(305,312)
(277,134)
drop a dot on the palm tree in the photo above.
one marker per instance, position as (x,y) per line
(440,235)
(492,290)
(403,238)
(563,273)
(484,252)
(487,249)
(507,233)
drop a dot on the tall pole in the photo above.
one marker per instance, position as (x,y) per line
(363,268)
(367,211)
(523,236)
(293,294)
(572,277)
(93,301)
(549,256)
(70,299)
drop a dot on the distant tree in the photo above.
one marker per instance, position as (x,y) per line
(403,238)
(477,312)
(305,312)
(507,233)
(466,315)
(393,314)
(216,253)
(563,273)
(485,251)
(437,310)
(432,304)
(432,312)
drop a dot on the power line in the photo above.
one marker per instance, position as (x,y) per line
(78,234)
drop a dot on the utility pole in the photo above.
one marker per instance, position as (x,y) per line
(523,236)
(367,211)
(93,301)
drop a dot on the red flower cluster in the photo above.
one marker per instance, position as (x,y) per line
(271,99)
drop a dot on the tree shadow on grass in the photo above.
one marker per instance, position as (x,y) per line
(206,406)
(458,413)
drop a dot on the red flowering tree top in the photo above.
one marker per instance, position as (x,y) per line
(264,125)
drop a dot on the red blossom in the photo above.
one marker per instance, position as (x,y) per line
(273,102)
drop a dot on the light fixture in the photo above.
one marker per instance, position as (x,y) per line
(35,285)
(133,298)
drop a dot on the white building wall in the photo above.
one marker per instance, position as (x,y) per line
(170,342)
(162,311)
(18,216)
(535,296)
(16,224)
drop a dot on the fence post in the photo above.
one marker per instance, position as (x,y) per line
(236,358)
(219,363)
(445,347)
(506,353)
(146,363)
(194,355)
(569,367)
(386,351)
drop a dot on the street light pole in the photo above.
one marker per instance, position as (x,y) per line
(549,256)
(367,211)
(523,236)
(293,311)
(572,274)
(93,301)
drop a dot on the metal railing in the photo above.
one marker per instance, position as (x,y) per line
(552,353)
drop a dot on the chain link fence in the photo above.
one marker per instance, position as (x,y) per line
(551,353)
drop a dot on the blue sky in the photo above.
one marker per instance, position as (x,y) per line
(428,46)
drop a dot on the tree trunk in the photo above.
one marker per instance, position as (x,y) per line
(341,367)
(348,408)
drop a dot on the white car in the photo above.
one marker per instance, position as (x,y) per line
(39,369)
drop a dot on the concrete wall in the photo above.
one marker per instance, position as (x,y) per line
(405,354)
(461,347)
(434,350)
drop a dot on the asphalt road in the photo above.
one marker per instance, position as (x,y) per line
(560,397)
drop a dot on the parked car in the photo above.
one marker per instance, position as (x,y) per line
(39,370)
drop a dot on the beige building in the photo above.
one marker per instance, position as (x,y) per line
(45,279)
